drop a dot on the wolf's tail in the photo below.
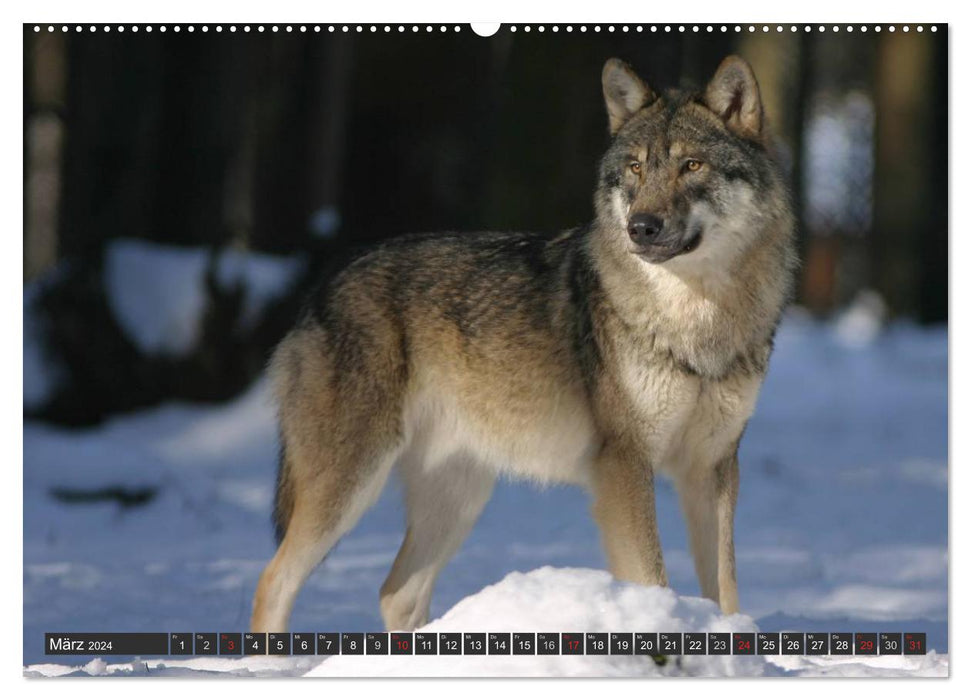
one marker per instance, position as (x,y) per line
(283,502)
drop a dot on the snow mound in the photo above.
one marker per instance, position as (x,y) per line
(567,600)
(157,293)
(544,600)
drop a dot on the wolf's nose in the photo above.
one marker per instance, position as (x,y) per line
(643,228)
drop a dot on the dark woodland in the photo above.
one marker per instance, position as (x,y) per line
(316,144)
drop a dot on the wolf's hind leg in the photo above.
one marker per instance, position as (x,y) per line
(302,549)
(323,512)
(443,505)
(708,495)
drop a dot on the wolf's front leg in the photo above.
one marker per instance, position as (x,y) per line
(623,487)
(708,495)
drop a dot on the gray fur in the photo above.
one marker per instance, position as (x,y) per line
(584,357)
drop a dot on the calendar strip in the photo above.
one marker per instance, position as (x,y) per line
(485,643)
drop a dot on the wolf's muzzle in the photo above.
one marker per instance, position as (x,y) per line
(644,229)
(657,243)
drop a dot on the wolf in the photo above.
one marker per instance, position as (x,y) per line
(600,356)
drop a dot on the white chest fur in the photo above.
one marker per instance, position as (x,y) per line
(688,421)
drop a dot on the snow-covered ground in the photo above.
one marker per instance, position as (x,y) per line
(842,525)
(158,292)
(158,295)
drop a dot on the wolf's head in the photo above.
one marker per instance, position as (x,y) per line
(687,179)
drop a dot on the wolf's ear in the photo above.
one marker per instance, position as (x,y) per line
(733,94)
(624,93)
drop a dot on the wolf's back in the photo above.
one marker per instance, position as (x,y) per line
(448,313)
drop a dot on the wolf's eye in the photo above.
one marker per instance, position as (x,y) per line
(692,166)
(635,167)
